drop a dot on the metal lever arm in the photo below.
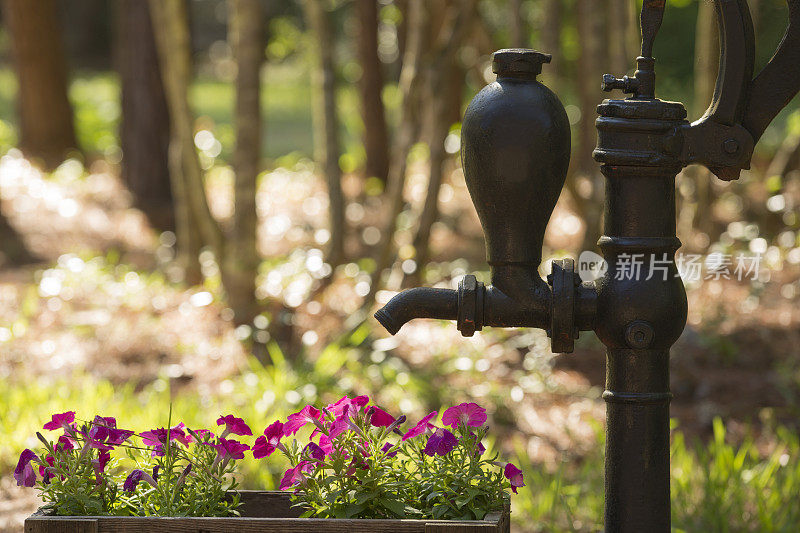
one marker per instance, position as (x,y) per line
(741,108)
(717,139)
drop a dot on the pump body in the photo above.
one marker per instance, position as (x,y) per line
(515,153)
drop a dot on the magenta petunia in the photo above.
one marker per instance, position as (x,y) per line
(134,478)
(229,448)
(297,420)
(23,473)
(294,475)
(469,414)
(105,434)
(326,444)
(61,420)
(64,443)
(158,437)
(269,442)
(380,418)
(315,451)
(234,425)
(514,475)
(422,427)
(386,447)
(102,460)
(441,442)
(45,471)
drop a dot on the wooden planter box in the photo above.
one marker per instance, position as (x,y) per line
(269,512)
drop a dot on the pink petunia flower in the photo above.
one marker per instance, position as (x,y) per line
(269,441)
(64,443)
(339,426)
(104,434)
(469,414)
(441,442)
(422,427)
(294,475)
(158,438)
(300,419)
(45,471)
(380,418)
(234,425)
(514,475)
(23,473)
(229,448)
(61,420)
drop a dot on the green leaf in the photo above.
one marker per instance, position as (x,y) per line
(395,506)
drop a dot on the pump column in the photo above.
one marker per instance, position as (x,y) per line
(641,308)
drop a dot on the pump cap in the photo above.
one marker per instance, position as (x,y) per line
(519,61)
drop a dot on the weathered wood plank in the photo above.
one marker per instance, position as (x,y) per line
(263,511)
(75,525)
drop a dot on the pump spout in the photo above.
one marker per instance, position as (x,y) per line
(419,302)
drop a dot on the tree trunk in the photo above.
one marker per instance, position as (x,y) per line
(410,83)
(550,32)
(326,124)
(590,35)
(376,137)
(240,265)
(13,251)
(706,61)
(194,223)
(144,130)
(617,32)
(415,68)
(516,24)
(46,126)
(447,79)
(444,77)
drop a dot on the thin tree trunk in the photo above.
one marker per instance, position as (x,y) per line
(550,32)
(516,24)
(787,154)
(46,125)
(144,130)
(13,251)
(193,218)
(241,259)
(327,145)
(617,33)
(444,77)
(590,35)
(410,84)
(448,38)
(376,137)
(706,61)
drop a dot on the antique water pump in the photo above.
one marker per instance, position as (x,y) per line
(515,153)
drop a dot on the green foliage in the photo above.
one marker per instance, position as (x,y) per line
(716,486)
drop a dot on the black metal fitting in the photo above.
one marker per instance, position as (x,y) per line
(471,293)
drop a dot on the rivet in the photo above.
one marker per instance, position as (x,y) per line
(730,146)
(639,334)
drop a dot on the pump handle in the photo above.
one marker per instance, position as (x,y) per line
(742,107)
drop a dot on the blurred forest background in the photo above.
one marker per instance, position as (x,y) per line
(203,201)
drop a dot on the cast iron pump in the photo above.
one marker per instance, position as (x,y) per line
(515,152)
